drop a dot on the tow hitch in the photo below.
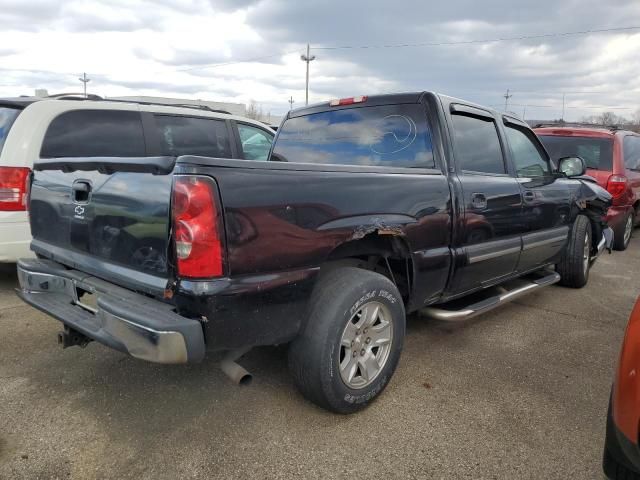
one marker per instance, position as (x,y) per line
(70,337)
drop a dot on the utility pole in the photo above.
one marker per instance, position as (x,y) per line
(562,118)
(506,100)
(84,81)
(307,58)
(291,102)
(524,111)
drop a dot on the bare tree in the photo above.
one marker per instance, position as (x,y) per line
(635,117)
(607,118)
(252,110)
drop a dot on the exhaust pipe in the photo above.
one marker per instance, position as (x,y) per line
(235,372)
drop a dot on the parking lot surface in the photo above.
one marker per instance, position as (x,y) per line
(520,392)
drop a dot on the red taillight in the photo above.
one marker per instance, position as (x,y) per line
(14,188)
(196,227)
(348,101)
(616,185)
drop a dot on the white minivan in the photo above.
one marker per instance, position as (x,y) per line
(72,126)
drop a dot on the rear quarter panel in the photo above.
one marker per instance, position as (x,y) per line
(287,217)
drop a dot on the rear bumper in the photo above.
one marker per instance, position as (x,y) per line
(15,236)
(616,215)
(124,320)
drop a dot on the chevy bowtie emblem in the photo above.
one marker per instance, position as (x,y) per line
(79,211)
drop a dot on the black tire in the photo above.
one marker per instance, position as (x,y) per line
(621,243)
(572,269)
(314,357)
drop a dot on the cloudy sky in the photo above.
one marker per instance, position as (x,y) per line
(239,50)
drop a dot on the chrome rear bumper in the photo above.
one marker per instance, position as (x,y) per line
(127,321)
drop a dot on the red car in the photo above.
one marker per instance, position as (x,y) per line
(621,451)
(613,159)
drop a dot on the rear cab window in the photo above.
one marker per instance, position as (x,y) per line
(385,136)
(596,152)
(94,133)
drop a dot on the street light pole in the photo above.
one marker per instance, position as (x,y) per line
(506,100)
(307,58)
(84,81)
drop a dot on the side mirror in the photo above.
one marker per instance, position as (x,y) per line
(572,166)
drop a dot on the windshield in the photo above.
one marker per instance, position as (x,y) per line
(389,135)
(7,116)
(596,152)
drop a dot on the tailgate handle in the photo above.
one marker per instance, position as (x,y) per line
(80,191)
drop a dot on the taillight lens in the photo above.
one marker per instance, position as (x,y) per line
(617,185)
(197,228)
(14,188)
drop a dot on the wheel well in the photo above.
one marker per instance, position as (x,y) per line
(388,255)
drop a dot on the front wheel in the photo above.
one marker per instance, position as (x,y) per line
(576,260)
(352,341)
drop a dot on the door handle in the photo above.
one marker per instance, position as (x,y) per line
(80,191)
(478,201)
(529,196)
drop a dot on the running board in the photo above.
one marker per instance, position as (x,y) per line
(490,303)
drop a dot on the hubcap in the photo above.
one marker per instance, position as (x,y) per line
(628,228)
(365,345)
(587,251)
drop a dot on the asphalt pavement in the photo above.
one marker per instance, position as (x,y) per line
(517,393)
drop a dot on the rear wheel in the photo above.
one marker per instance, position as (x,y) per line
(575,263)
(622,234)
(352,341)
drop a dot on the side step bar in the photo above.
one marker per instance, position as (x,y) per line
(482,306)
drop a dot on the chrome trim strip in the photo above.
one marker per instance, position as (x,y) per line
(540,243)
(488,256)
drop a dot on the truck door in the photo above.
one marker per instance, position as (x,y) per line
(488,242)
(547,200)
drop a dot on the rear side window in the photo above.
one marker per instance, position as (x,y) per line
(94,133)
(255,142)
(389,136)
(631,147)
(477,146)
(8,115)
(596,152)
(193,136)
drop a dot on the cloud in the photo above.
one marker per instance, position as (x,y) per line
(170,47)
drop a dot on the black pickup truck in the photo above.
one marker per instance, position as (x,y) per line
(369,208)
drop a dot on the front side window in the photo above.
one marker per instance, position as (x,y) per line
(94,133)
(255,142)
(631,147)
(528,160)
(596,152)
(387,136)
(193,136)
(477,146)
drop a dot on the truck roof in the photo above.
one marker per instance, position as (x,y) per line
(390,99)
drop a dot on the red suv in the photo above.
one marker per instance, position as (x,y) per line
(613,159)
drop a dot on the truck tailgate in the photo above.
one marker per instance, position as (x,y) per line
(109,217)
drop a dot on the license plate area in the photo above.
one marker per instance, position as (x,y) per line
(87,299)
